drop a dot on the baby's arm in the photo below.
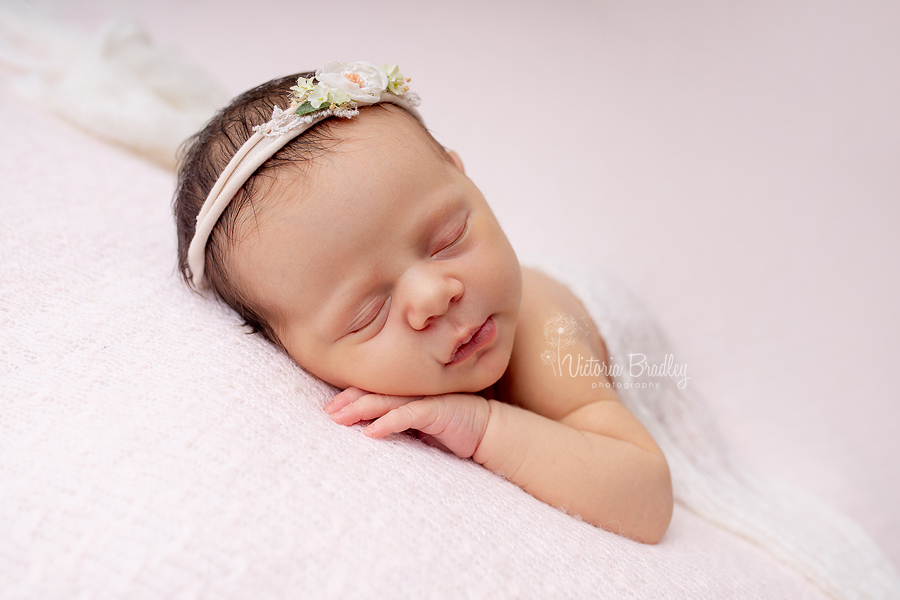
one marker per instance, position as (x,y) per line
(567,444)
(584,450)
(612,482)
(608,479)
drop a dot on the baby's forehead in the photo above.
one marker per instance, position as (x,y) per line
(347,157)
(387,123)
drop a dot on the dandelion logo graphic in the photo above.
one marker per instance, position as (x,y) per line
(560,332)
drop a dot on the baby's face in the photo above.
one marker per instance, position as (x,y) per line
(379,261)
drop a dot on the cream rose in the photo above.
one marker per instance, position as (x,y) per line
(362,81)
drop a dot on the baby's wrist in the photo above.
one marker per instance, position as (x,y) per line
(493,451)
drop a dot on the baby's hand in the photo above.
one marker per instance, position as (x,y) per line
(456,421)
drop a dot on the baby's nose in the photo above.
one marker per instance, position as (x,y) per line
(430,295)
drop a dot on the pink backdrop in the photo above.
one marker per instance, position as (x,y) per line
(735,163)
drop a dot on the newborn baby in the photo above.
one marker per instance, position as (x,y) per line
(352,240)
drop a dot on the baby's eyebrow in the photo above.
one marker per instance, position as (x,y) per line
(431,223)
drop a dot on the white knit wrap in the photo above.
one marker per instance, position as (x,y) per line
(708,477)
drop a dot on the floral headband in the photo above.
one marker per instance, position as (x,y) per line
(336,90)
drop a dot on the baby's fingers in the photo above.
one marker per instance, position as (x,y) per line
(456,421)
(414,415)
(367,407)
(351,394)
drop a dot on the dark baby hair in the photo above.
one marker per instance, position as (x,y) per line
(205,155)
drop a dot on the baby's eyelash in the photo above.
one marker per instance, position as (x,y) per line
(374,317)
(457,239)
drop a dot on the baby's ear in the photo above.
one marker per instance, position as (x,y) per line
(456,160)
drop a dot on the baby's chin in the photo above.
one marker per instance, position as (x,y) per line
(467,385)
(489,370)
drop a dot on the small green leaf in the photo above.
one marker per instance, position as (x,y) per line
(306,108)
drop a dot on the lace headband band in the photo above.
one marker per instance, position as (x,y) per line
(338,90)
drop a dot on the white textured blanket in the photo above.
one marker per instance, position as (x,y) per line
(150,448)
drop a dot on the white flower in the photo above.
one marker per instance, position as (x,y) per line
(338,97)
(317,96)
(396,80)
(361,81)
(303,88)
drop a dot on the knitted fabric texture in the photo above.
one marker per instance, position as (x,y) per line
(150,448)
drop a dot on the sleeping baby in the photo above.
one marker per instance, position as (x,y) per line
(321,209)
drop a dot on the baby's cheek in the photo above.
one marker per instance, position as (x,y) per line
(388,366)
(329,363)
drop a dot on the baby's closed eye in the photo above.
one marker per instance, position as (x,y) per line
(372,316)
(453,238)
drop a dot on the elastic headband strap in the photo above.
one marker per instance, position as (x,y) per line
(262,145)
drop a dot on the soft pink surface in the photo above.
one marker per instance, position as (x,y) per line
(735,164)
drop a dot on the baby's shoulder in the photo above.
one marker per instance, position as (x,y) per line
(541,292)
(548,303)
(554,334)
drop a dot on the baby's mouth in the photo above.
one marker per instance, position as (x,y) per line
(478,339)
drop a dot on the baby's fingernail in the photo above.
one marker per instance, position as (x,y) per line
(373,431)
(333,405)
